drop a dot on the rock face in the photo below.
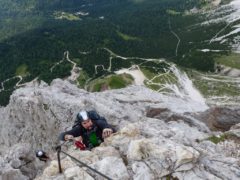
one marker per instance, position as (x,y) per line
(219,118)
(224,70)
(157,136)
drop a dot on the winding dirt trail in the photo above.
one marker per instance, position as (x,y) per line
(74,71)
(16,85)
(183,88)
(179,40)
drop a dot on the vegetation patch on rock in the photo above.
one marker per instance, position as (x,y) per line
(110,82)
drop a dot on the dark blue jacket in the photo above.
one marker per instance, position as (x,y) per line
(99,123)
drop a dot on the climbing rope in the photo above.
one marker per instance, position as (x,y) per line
(58,148)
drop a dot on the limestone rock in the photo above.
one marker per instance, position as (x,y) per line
(234,132)
(19,160)
(13,174)
(237,126)
(122,138)
(223,168)
(77,174)
(106,151)
(171,155)
(220,118)
(198,173)
(157,136)
(87,157)
(141,171)
(112,167)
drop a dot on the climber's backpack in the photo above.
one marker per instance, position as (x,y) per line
(93,115)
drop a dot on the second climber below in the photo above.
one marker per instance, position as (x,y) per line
(90,128)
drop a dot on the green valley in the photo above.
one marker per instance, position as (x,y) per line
(34,35)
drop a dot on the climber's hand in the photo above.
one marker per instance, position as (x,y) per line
(68,137)
(79,138)
(107,132)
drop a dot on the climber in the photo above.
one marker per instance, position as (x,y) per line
(89,130)
(42,156)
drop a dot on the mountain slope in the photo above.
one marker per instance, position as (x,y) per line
(154,132)
(36,34)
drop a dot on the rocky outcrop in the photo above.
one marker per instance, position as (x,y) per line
(216,118)
(157,137)
(220,118)
(228,71)
(19,162)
